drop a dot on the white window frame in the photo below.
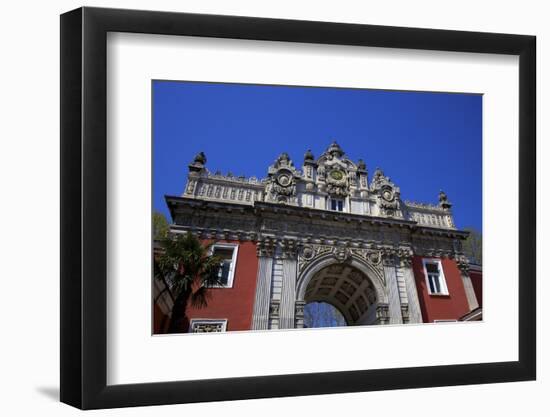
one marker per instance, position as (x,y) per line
(442,280)
(223,322)
(231,276)
(343,200)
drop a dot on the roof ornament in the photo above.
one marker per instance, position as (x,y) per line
(308,156)
(378,175)
(198,165)
(283,160)
(361,165)
(335,150)
(200,158)
(444,200)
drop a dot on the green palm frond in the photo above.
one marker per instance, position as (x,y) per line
(185,263)
(200,297)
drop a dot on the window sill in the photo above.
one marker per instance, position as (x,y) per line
(440,295)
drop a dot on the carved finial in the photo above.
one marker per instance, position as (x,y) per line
(361,165)
(200,158)
(444,200)
(283,160)
(308,156)
(335,150)
(197,166)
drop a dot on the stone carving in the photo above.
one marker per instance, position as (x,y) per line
(265,248)
(282,179)
(405,313)
(337,182)
(342,253)
(444,201)
(207,327)
(331,175)
(274,308)
(289,248)
(388,195)
(382,314)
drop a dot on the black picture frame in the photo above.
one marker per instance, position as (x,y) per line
(84,207)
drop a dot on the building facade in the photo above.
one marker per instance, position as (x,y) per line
(323,232)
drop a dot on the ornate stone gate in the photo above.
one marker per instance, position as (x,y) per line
(323,232)
(367,286)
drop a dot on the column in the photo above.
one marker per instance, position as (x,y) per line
(299,316)
(393,290)
(260,316)
(468,286)
(415,314)
(288,294)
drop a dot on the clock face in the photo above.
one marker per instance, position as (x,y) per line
(283,179)
(387,195)
(337,175)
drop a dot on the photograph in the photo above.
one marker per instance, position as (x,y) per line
(279,207)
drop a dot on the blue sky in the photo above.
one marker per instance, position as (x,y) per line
(423,141)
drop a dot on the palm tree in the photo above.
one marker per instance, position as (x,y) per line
(188,270)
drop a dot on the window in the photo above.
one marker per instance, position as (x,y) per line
(337,205)
(207,325)
(228,255)
(435,279)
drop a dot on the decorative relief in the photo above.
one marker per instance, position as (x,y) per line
(337,182)
(289,249)
(382,314)
(405,313)
(426,206)
(463,264)
(299,311)
(207,326)
(265,248)
(274,308)
(341,253)
(337,176)
(282,179)
(388,195)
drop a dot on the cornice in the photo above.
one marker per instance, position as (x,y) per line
(274,210)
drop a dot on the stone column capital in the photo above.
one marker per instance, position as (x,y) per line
(265,248)
(289,249)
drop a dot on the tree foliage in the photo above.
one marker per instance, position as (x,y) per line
(160,226)
(186,267)
(473,246)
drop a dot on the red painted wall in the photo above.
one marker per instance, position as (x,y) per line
(234,304)
(477,280)
(441,307)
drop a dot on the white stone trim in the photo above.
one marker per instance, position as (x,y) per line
(390,275)
(288,296)
(415,313)
(221,322)
(260,316)
(233,266)
(443,281)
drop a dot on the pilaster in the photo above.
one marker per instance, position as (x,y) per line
(415,314)
(394,305)
(467,282)
(288,295)
(260,317)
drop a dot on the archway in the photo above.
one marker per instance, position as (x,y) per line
(322,314)
(345,287)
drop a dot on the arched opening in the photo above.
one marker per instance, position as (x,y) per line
(347,290)
(322,314)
